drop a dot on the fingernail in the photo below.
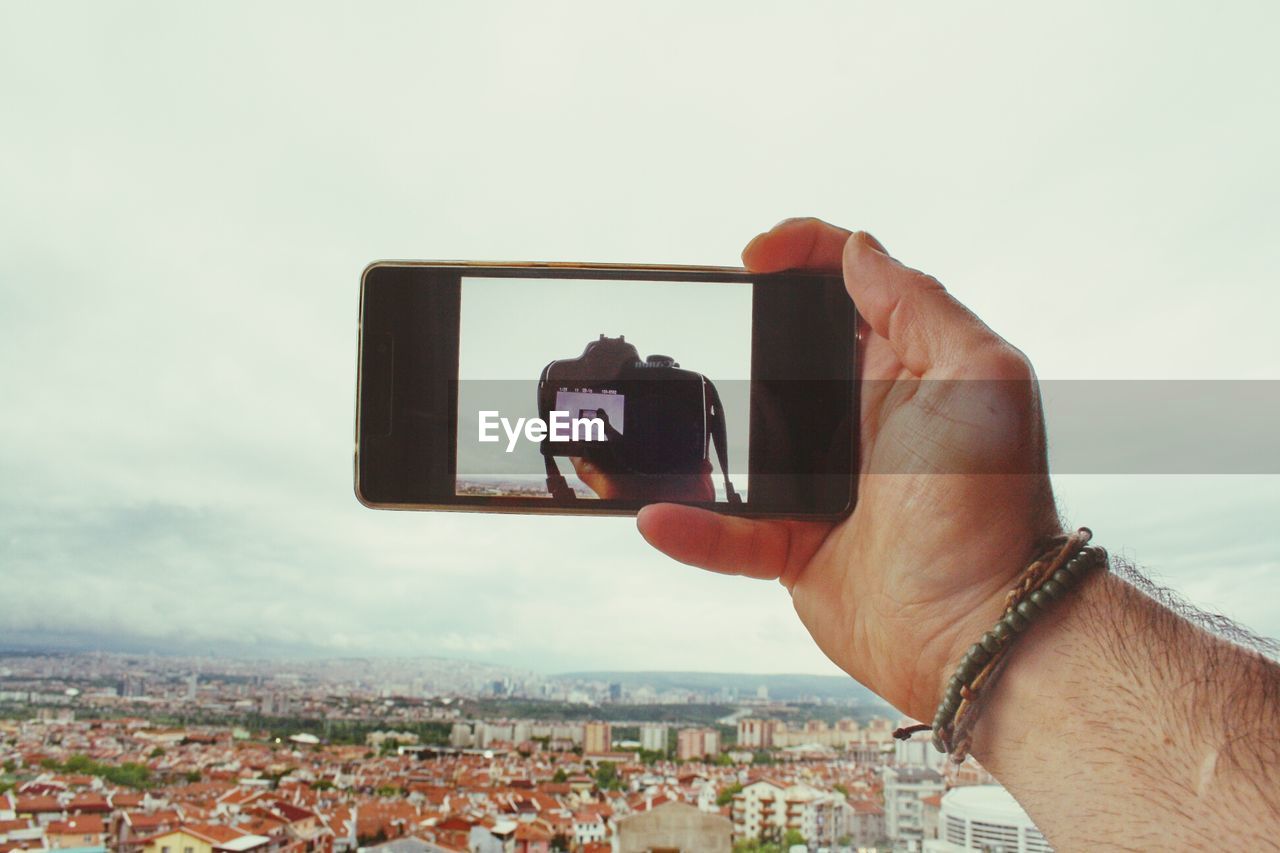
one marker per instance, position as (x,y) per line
(871,241)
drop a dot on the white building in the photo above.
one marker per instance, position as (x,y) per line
(918,752)
(904,788)
(460,735)
(653,737)
(985,817)
(589,828)
(766,808)
(707,794)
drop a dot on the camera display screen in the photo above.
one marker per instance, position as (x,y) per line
(590,389)
(591,403)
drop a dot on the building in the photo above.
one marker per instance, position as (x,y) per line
(866,824)
(766,809)
(204,838)
(826,819)
(918,752)
(460,735)
(488,734)
(756,734)
(985,817)
(674,827)
(904,788)
(77,831)
(409,844)
(589,827)
(845,734)
(654,737)
(597,737)
(697,743)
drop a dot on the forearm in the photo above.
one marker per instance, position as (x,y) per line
(1120,724)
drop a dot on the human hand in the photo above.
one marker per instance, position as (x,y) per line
(953,492)
(660,487)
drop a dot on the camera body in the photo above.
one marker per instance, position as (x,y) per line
(658,418)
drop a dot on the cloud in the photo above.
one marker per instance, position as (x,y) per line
(186,217)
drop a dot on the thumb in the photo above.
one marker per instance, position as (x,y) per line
(928,329)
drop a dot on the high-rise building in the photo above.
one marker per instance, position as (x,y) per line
(904,788)
(597,737)
(460,735)
(653,737)
(755,734)
(697,743)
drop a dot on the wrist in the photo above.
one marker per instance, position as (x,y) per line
(1047,668)
(1053,576)
(985,607)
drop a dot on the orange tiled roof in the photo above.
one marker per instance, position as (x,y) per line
(79,825)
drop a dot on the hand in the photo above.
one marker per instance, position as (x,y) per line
(664,487)
(953,492)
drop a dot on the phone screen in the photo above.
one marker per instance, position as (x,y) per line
(546,370)
(601,390)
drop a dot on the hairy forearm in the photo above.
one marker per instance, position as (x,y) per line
(1120,724)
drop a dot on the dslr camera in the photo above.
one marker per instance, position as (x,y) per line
(657,419)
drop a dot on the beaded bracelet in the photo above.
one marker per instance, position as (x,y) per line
(1046,580)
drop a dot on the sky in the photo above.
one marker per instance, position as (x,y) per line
(190,193)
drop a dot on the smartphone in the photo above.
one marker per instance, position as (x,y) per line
(597,389)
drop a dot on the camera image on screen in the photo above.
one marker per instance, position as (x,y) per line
(660,421)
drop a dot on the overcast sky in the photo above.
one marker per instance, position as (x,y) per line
(188,193)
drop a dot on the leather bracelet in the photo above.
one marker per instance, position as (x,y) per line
(1048,579)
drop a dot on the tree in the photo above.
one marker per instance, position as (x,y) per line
(157,752)
(792,838)
(193,776)
(649,756)
(726,796)
(559,777)
(607,776)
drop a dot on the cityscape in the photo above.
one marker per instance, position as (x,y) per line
(152,753)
